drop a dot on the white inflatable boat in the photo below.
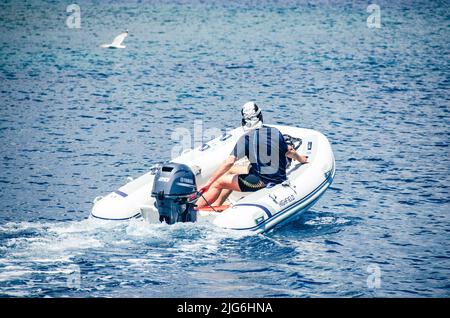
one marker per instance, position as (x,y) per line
(256,211)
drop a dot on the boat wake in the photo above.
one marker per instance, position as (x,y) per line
(93,257)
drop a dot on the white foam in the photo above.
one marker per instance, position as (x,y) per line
(326,220)
(13,272)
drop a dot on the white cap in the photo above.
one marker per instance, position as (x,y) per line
(250,116)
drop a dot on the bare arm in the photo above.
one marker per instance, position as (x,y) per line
(224,167)
(293,154)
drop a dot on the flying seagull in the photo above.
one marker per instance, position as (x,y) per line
(117,42)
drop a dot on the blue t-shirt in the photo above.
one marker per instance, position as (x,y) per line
(266,149)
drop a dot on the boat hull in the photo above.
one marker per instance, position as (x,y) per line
(256,211)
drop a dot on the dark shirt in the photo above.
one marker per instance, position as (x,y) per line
(266,149)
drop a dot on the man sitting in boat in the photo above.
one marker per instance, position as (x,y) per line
(267,152)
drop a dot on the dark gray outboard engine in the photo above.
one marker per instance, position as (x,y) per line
(174,184)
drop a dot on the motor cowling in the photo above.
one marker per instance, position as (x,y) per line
(174,184)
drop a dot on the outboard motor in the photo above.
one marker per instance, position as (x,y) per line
(174,184)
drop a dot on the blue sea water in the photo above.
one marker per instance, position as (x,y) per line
(76,120)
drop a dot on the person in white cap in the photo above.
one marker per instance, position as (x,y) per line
(267,152)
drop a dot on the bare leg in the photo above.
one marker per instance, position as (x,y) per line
(225,193)
(228,181)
